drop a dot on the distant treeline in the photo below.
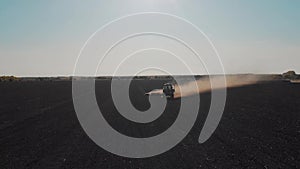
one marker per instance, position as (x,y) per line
(290,75)
(8,78)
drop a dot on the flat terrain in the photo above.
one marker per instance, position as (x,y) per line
(260,128)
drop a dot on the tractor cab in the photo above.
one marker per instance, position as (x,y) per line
(169,90)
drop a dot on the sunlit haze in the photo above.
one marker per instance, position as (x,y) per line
(40,38)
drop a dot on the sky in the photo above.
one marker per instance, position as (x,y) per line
(44,38)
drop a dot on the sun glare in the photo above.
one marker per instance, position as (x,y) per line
(161,2)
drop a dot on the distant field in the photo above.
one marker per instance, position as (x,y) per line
(260,128)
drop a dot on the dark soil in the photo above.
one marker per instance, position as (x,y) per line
(260,128)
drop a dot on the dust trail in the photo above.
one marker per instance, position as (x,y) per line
(204,84)
(295,81)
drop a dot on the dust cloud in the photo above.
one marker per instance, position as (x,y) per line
(213,83)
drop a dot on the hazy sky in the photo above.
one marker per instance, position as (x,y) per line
(43,38)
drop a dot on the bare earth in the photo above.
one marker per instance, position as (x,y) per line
(260,128)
